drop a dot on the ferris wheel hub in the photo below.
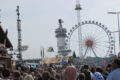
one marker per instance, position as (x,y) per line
(89,43)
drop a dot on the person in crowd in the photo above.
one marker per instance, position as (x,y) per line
(16,75)
(98,74)
(86,72)
(108,69)
(70,73)
(81,76)
(53,74)
(49,69)
(61,75)
(57,77)
(38,76)
(1,69)
(92,71)
(23,74)
(5,74)
(28,77)
(46,75)
(115,74)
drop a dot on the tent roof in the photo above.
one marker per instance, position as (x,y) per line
(2,38)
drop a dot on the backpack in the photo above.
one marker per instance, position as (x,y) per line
(87,74)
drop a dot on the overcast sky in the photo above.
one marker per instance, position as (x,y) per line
(40,19)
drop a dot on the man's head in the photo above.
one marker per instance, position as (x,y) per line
(46,76)
(86,67)
(49,69)
(98,69)
(109,66)
(70,73)
(53,73)
(57,77)
(81,76)
(16,75)
(116,63)
(5,73)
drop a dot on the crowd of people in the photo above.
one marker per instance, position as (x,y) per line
(80,72)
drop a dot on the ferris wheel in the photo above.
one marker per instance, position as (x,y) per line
(97,40)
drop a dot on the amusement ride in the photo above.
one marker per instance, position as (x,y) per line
(89,38)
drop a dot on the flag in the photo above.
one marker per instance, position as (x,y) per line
(104,62)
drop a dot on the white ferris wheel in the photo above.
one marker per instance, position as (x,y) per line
(96,39)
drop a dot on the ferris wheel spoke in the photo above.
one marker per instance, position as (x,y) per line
(100,38)
(99,43)
(84,29)
(102,42)
(93,30)
(99,52)
(98,33)
(101,49)
(105,46)
(86,36)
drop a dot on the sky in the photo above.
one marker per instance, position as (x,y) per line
(40,19)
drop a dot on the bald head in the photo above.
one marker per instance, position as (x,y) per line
(70,73)
(53,73)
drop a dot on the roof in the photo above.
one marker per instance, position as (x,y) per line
(2,38)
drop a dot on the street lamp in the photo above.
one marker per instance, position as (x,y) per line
(117,13)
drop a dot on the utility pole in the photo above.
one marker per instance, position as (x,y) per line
(19,35)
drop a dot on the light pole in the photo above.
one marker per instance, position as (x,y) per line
(117,13)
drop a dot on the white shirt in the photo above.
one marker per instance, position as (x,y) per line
(114,75)
(97,76)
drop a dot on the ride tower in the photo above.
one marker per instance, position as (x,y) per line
(61,36)
(19,55)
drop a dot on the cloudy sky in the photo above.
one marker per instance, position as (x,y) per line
(40,19)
